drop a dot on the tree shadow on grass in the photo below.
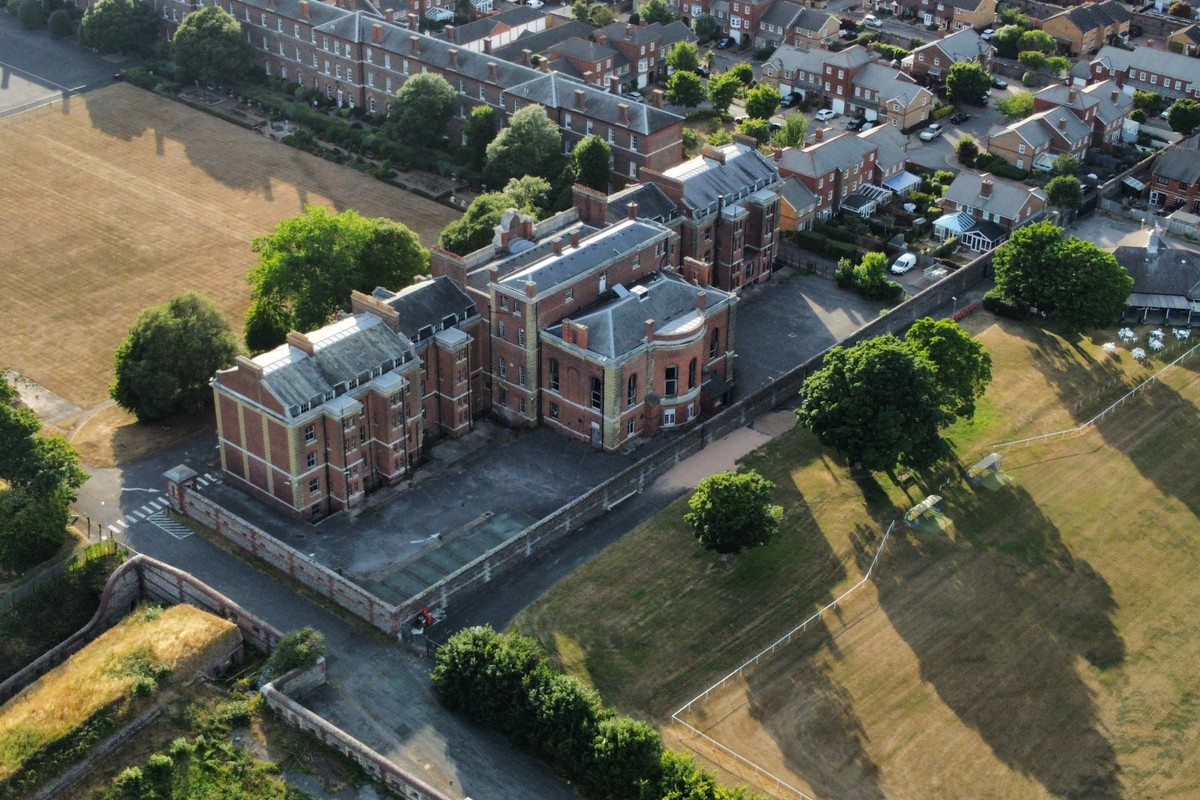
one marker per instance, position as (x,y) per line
(999,618)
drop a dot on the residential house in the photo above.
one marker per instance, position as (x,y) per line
(1170,75)
(981,211)
(1185,40)
(832,169)
(950,15)
(1103,106)
(889,96)
(730,214)
(645,357)
(495,31)
(1175,176)
(317,423)
(776,23)
(930,63)
(816,74)
(1034,142)
(646,47)
(743,18)
(1166,281)
(591,62)
(1087,28)
(797,205)
(891,159)
(812,28)
(539,43)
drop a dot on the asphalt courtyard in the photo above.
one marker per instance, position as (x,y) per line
(36,67)
(476,493)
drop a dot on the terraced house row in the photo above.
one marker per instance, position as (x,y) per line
(359,57)
(601,322)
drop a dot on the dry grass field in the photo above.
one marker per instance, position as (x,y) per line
(121,199)
(1039,642)
(101,676)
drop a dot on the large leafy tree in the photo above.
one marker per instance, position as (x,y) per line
(683,56)
(167,358)
(722,89)
(209,45)
(1064,192)
(422,109)
(793,131)
(968,82)
(1035,39)
(530,145)
(685,89)
(480,130)
(743,72)
(1007,41)
(118,26)
(566,718)
(310,263)
(762,101)
(1017,105)
(656,11)
(1069,279)
(879,404)
(961,363)
(732,511)
(1184,115)
(626,761)
(591,163)
(475,227)
(706,27)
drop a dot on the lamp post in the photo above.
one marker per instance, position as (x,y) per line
(955,311)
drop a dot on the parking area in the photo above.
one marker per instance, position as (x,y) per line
(35,66)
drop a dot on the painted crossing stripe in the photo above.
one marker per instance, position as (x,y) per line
(202,481)
(115,530)
(157,505)
(173,528)
(138,514)
(132,520)
(121,524)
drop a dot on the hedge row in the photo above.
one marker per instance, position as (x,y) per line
(504,682)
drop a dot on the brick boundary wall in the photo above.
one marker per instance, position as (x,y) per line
(279,696)
(78,771)
(570,517)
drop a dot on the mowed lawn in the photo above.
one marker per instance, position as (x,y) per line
(1038,641)
(122,199)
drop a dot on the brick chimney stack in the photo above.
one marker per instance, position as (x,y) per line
(778,155)
(527,57)
(985,188)
(575,238)
(631,210)
(389,13)
(601,39)
(299,341)
(614,84)
(1062,124)
(557,244)
(1072,94)
(623,114)
(628,33)
(453,54)
(414,22)
(580,103)
(1116,94)
(487,45)
(414,45)
(492,70)
(544,65)
(649,330)
(701,300)
(531,288)
(819,135)
(656,98)
(576,334)
(377,33)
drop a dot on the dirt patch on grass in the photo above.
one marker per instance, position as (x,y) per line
(109,436)
(123,199)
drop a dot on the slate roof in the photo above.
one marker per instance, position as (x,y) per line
(964,45)
(343,351)
(1030,130)
(603,247)
(584,49)
(640,34)
(652,201)
(891,84)
(817,160)
(1191,32)
(427,305)
(810,20)
(1108,111)
(676,31)
(554,90)
(1007,198)
(705,179)
(1098,15)
(797,194)
(890,142)
(1180,161)
(617,327)
(782,13)
(542,41)
(1170,271)
(1147,59)
(1076,128)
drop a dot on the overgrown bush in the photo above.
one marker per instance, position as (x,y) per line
(60,23)
(995,302)
(297,650)
(31,15)
(941,112)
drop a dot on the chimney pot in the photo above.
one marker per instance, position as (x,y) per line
(656,97)
(614,84)
(453,54)
(450,34)
(649,330)
(701,300)
(1062,124)
(414,22)
(1116,93)
(487,45)
(631,210)
(414,43)
(377,32)
(1072,94)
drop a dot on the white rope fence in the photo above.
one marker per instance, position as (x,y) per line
(1063,434)
(769,650)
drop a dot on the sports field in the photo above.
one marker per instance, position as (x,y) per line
(119,199)
(1036,641)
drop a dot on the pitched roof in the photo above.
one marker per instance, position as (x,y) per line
(797,194)
(427,304)
(1007,199)
(817,160)
(891,84)
(676,31)
(810,20)
(602,247)
(617,327)
(1163,62)
(1180,161)
(1031,131)
(891,143)
(1170,270)
(558,91)
(1098,15)
(542,41)
(583,49)
(343,351)
(964,45)
(705,179)
(783,13)
(652,203)
(638,34)
(1191,32)
(1107,109)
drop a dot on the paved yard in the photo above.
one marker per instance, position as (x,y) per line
(34,65)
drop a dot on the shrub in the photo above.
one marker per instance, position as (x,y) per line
(1029,79)
(31,15)
(995,302)
(941,112)
(297,650)
(890,52)
(842,250)
(1137,115)
(812,241)
(60,23)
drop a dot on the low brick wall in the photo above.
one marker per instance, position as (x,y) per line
(96,756)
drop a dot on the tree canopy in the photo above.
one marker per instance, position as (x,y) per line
(685,89)
(656,11)
(310,263)
(167,358)
(531,144)
(732,511)
(706,27)
(722,89)
(1017,105)
(421,110)
(475,227)
(758,129)
(683,56)
(480,130)
(762,101)
(1035,39)
(961,364)
(1064,192)
(209,45)
(879,404)
(118,26)
(1184,115)
(1007,41)
(968,82)
(743,72)
(1069,279)
(793,132)
(591,163)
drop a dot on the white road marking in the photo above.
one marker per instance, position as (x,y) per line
(170,526)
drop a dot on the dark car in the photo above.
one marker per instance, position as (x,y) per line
(724,43)
(702,72)
(999,83)
(789,100)
(856,124)
(959,117)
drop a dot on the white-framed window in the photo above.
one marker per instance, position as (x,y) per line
(668,416)
(500,329)
(521,337)
(310,433)
(502,369)
(1021,149)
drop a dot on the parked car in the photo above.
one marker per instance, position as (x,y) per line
(825,114)
(635,96)
(848,35)
(932,132)
(1166,112)
(999,83)
(856,124)
(904,264)
(738,120)
(873,21)
(702,72)
(534,3)
(789,100)
(987,35)
(959,117)
(724,43)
